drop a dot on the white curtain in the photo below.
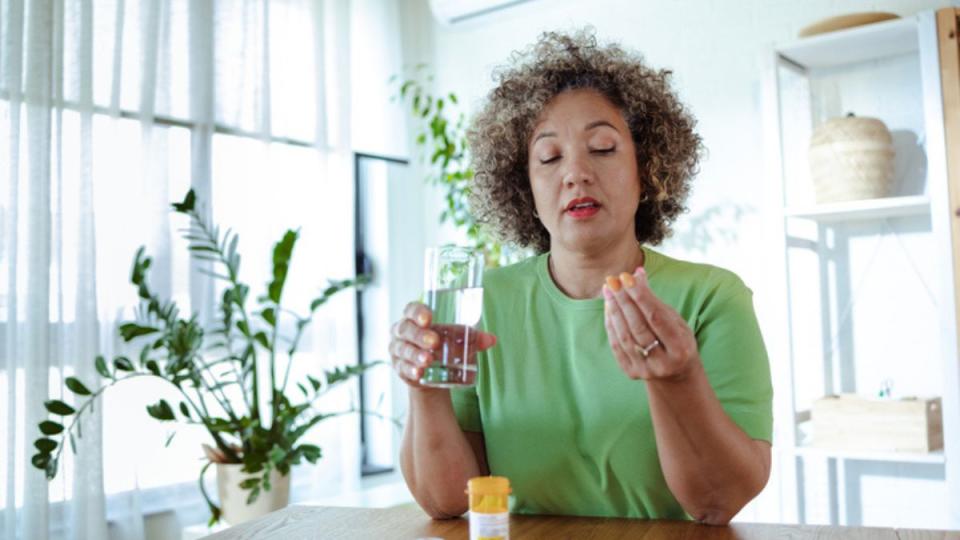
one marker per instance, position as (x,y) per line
(109,110)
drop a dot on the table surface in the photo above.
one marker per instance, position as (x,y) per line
(408,522)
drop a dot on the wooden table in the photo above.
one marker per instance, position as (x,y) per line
(408,522)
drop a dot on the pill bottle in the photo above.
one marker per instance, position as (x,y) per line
(489,512)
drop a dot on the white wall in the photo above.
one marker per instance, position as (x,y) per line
(717,51)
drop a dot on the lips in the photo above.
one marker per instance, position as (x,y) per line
(583,207)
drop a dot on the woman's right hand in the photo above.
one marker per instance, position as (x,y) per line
(412,343)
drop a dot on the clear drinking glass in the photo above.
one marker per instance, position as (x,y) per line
(453,285)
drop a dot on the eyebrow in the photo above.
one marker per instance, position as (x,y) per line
(591,125)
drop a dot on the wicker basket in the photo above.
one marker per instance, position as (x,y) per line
(851,158)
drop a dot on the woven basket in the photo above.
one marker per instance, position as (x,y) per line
(851,158)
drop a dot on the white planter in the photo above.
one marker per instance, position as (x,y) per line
(233,499)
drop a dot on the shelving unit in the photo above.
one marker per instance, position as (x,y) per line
(872,209)
(893,457)
(871,285)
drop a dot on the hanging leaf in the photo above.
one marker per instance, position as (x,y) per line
(45,445)
(153,367)
(131,331)
(101,365)
(56,406)
(40,461)
(184,409)
(48,427)
(161,411)
(76,386)
(122,363)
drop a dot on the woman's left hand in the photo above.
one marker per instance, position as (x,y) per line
(649,339)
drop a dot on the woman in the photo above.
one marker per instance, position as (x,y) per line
(615,381)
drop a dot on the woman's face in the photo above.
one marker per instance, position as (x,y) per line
(583,172)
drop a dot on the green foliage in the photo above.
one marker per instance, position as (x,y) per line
(180,352)
(442,136)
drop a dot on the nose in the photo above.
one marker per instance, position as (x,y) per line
(578,171)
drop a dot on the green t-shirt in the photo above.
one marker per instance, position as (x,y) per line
(561,420)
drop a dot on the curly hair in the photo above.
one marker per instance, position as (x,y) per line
(667,148)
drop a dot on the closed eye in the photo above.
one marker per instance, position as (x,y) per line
(603,150)
(549,160)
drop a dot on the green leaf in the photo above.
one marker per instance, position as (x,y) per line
(184,410)
(130,331)
(250,483)
(282,252)
(153,367)
(76,386)
(161,411)
(101,364)
(277,455)
(254,494)
(40,461)
(56,406)
(123,363)
(188,202)
(45,445)
(269,315)
(311,452)
(261,338)
(314,383)
(244,329)
(73,444)
(166,443)
(48,427)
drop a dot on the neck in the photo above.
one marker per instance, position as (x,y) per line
(581,274)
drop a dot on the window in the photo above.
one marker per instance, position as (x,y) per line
(267,174)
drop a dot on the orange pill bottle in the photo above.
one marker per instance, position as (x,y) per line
(489,508)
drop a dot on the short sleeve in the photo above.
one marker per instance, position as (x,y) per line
(735,359)
(466,405)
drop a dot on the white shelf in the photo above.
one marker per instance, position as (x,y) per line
(888,207)
(858,44)
(864,455)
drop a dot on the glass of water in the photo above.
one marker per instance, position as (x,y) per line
(453,285)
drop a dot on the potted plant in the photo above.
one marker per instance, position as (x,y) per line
(217,373)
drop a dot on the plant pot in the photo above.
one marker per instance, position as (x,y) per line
(233,499)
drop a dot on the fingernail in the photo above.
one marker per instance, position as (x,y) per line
(613,283)
(607,293)
(639,271)
(424,358)
(422,319)
(627,280)
(429,340)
